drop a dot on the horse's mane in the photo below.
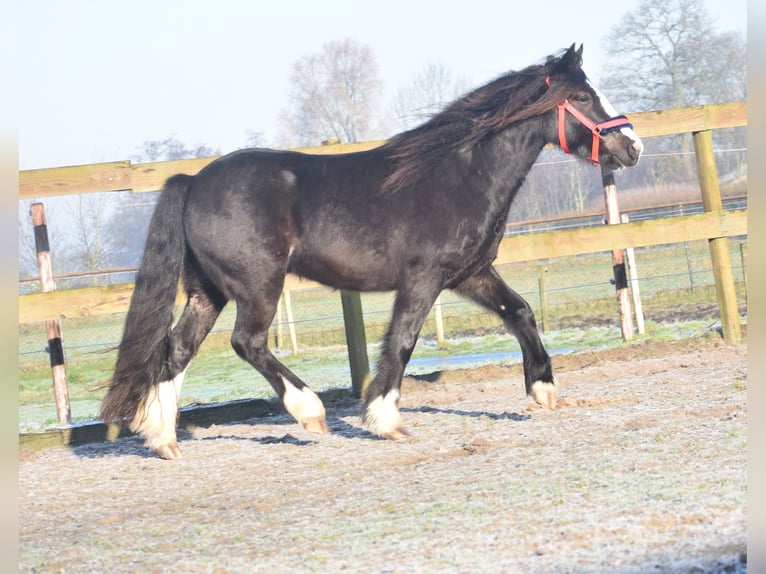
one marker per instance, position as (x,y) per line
(486,111)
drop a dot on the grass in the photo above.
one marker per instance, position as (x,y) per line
(581,314)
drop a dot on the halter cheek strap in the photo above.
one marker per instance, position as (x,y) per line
(596,128)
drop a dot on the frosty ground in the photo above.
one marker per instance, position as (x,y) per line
(641,468)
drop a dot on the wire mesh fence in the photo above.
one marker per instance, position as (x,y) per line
(676,284)
(578,290)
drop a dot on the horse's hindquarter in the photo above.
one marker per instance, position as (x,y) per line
(238,218)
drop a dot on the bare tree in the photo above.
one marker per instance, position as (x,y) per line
(556,186)
(129,226)
(254,138)
(90,226)
(666,53)
(171,148)
(334,94)
(426,94)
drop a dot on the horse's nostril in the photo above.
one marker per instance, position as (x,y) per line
(636,149)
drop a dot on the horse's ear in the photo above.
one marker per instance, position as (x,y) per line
(564,63)
(572,58)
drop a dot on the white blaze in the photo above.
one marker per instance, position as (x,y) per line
(611,112)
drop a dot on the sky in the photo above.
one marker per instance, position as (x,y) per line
(98,78)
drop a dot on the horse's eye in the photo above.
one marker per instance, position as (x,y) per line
(582,97)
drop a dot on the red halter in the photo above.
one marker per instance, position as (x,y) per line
(596,128)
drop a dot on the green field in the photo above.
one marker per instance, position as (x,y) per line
(676,287)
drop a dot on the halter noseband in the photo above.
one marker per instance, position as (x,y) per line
(596,128)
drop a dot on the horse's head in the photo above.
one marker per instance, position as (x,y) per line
(585,123)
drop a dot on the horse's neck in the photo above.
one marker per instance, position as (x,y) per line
(507,159)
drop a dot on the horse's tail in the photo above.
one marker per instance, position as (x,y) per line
(143,351)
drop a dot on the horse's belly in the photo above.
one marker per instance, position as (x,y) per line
(348,271)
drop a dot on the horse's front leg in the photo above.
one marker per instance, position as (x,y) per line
(381,398)
(489,290)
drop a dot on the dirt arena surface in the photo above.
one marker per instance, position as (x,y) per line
(642,468)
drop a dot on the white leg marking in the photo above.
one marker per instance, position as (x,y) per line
(382,416)
(156,417)
(544,393)
(305,406)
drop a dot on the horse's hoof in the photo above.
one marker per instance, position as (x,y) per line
(168,451)
(397,434)
(544,394)
(381,417)
(316,425)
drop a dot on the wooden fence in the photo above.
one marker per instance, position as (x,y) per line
(714,224)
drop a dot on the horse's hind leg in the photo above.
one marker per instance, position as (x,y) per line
(157,418)
(250,341)
(488,289)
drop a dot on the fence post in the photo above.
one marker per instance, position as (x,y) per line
(719,246)
(618,256)
(356,340)
(743,259)
(52,326)
(630,253)
(280,340)
(290,322)
(541,271)
(439,319)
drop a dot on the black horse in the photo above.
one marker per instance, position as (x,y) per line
(424,212)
